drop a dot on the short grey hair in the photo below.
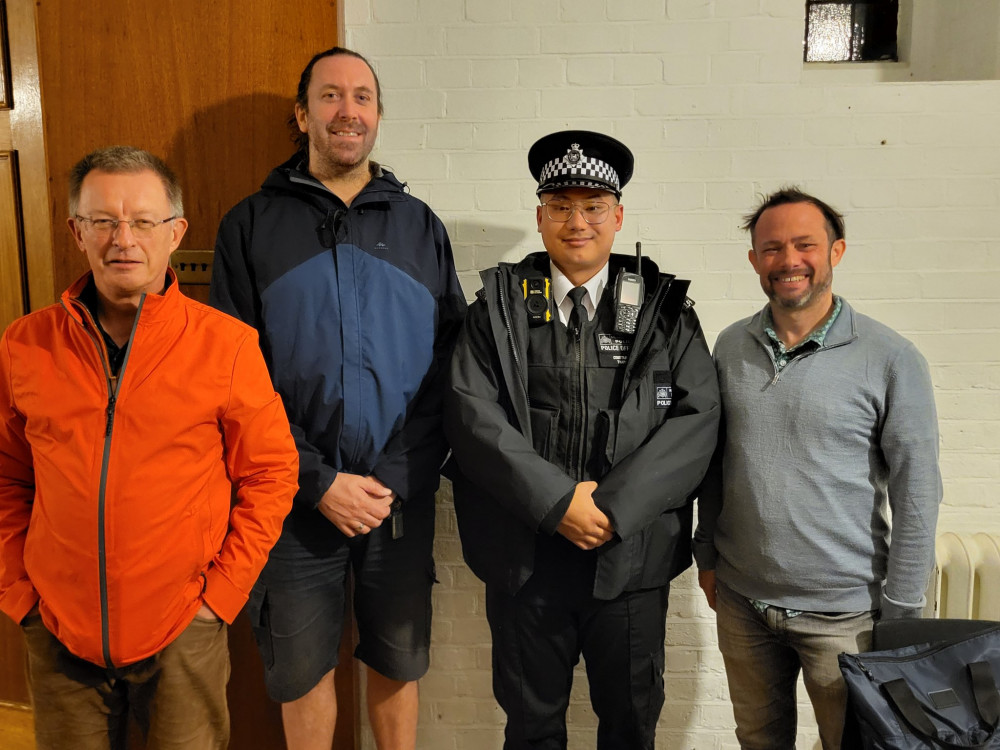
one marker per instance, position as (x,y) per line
(124,160)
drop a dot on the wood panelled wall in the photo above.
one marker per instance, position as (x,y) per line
(12,279)
(21,137)
(208,86)
(26,250)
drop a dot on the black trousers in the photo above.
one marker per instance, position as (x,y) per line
(538,641)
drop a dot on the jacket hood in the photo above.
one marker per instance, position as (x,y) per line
(293,177)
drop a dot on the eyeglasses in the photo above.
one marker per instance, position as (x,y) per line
(107,227)
(593,212)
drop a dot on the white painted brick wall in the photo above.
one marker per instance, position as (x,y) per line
(712,97)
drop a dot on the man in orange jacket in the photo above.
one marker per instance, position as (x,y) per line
(146,467)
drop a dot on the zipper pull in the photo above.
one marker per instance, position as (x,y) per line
(777,374)
(866,671)
(110,416)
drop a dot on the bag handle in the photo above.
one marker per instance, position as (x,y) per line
(983,688)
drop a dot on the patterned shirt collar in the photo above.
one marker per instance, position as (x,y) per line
(813,341)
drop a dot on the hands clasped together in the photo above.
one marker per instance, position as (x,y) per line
(585,524)
(356,504)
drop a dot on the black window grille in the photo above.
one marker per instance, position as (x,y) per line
(851,32)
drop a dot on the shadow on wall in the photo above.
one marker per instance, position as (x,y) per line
(480,246)
(223,153)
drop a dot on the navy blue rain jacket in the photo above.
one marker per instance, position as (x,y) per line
(358,309)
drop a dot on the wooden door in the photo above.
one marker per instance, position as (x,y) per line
(208,86)
(25,272)
(25,236)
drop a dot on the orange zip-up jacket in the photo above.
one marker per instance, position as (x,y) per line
(126,503)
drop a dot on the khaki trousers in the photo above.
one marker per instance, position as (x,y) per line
(177,697)
(764,654)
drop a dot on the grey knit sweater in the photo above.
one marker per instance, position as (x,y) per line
(794,511)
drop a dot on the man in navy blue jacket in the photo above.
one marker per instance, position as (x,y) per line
(352,286)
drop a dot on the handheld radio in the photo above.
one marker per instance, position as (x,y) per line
(628,295)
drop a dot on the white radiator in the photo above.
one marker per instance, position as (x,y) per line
(965,583)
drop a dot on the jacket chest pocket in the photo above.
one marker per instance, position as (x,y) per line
(644,409)
(605,432)
(544,424)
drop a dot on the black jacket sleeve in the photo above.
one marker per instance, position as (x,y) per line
(709,507)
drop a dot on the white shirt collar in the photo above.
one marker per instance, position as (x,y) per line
(561,286)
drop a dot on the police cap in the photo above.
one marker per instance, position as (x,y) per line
(580,158)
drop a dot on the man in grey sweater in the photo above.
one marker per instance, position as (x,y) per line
(829,424)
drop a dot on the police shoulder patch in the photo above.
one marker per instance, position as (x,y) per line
(663,389)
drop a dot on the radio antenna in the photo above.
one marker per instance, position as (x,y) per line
(638,258)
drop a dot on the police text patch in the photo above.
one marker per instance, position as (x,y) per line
(613,350)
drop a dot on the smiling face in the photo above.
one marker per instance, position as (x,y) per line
(126,264)
(794,257)
(577,248)
(341,118)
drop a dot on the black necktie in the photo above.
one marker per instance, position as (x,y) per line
(579,314)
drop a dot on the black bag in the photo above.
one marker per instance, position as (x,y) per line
(925,697)
(911,631)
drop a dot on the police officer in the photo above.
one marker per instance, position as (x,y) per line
(582,413)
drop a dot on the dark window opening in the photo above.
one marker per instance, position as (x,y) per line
(851,32)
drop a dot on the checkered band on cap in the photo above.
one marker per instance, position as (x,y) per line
(577,165)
